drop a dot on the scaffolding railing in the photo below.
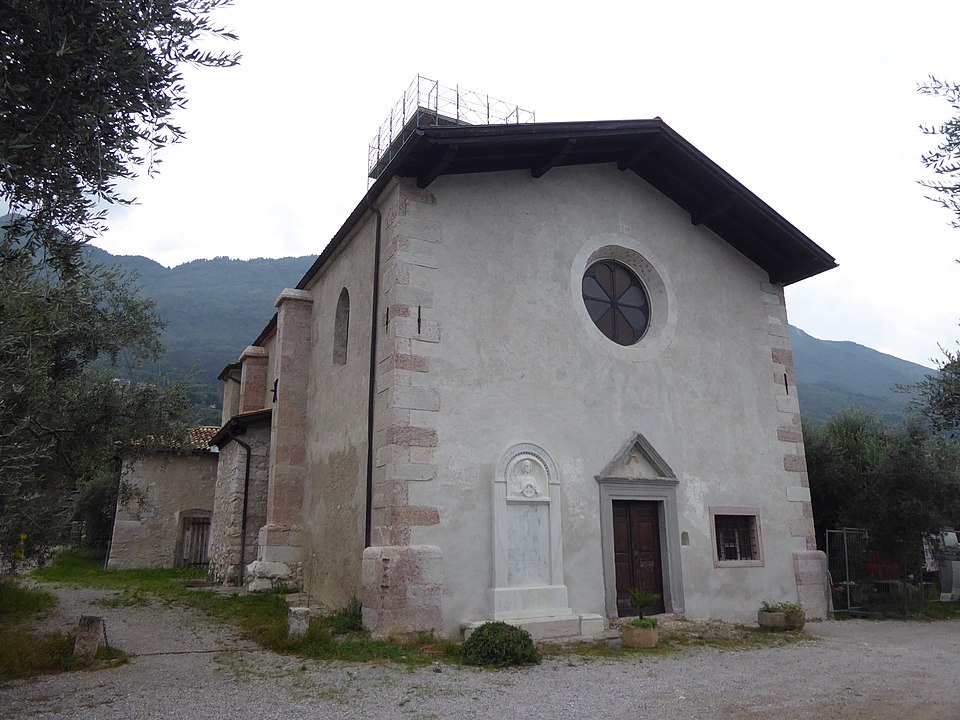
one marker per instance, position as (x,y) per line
(426,102)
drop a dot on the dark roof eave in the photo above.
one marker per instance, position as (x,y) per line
(805,257)
(230,367)
(240,422)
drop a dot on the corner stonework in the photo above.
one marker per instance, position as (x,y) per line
(401,581)
(810,564)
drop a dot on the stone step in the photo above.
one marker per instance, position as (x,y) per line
(551,627)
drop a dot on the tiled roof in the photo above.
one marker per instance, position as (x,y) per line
(199,437)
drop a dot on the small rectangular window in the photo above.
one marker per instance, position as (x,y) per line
(736,537)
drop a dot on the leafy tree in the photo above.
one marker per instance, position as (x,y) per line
(87,90)
(64,415)
(897,481)
(87,93)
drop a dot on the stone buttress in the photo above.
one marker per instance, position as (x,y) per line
(279,561)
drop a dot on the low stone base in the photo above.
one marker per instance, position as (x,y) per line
(511,604)
(813,583)
(402,588)
(551,627)
(278,564)
(265,576)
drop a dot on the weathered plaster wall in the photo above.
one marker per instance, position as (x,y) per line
(231,399)
(225,530)
(147,527)
(520,361)
(336,443)
(270,345)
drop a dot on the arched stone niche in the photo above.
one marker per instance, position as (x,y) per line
(528,552)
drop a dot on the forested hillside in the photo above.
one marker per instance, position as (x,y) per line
(834,375)
(215,308)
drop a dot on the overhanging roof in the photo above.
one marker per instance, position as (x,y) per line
(238,424)
(650,148)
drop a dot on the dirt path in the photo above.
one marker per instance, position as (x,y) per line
(187,667)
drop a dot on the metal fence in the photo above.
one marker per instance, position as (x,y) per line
(864,578)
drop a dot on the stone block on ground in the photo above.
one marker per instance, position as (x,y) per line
(298,622)
(89,637)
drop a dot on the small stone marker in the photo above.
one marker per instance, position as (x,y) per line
(298,620)
(89,637)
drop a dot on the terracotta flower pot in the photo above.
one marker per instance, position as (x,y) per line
(639,637)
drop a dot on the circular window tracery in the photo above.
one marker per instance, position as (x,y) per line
(616,301)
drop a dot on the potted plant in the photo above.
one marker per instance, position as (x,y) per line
(781,615)
(641,632)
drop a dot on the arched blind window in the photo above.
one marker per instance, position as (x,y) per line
(341,328)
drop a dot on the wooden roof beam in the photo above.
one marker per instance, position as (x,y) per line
(554,159)
(437,168)
(630,162)
(712,210)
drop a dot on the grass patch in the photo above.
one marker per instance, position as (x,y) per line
(260,617)
(25,654)
(80,567)
(17,600)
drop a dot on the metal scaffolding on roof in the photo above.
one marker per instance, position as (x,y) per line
(426,102)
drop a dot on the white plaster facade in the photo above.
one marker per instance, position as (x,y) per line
(484,343)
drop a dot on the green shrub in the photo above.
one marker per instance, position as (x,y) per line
(644,622)
(347,618)
(641,599)
(496,644)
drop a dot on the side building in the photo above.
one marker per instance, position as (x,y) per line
(164,507)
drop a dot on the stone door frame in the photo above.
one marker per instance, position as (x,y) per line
(661,489)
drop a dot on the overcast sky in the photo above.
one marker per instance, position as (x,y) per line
(813,106)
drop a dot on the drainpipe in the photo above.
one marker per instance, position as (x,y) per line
(246,492)
(375,316)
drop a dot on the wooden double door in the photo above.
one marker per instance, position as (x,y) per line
(636,552)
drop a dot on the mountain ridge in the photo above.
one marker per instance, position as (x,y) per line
(215,307)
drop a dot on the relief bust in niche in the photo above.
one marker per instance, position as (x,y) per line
(527,478)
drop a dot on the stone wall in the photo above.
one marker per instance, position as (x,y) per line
(228,503)
(161,490)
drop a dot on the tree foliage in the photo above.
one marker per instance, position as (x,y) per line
(64,415)
(897,481)
(944,159)
(87,91)
(938,396)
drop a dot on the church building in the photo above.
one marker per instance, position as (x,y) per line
(539,364)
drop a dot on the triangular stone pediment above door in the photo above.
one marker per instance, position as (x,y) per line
(637,459)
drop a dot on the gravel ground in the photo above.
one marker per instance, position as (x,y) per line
(187,667)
